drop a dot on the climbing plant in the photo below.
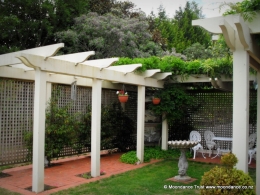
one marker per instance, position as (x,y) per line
(213,67)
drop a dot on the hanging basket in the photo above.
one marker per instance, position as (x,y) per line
(123,98)
(156,100)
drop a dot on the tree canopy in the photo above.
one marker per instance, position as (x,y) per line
(27,24)
(109,36)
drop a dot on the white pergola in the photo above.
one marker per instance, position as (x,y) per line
(41,64)
(238,36)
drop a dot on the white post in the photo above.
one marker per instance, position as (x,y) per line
(241,108)
(258,137)
(48,92)
(164,133)
(95,127)
(39,131)
(140,123)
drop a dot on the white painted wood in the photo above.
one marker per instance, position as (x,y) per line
(164,133)
(228,33)
(96,127)
(241,108)
(149,73)
(258,137)
(68,68)
(211,24)
(140,122)
(101,63)
(48,92)
(254,25)
(16,73)
(125,68)
(10,58)
(39,131)
(242,32)
(75,57)
(161,76)
(22,66)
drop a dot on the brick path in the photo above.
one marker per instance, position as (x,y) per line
(63,175)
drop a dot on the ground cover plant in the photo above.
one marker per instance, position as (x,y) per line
(152,153)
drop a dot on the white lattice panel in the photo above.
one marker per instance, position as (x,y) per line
(16,110)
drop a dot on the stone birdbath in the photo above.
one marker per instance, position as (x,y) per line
(183,145)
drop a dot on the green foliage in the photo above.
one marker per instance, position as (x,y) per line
(197,51)
(64,129)
(152,153)
(213,67)
(109,35)
(60,129)
(185,33)
(32,23)
(247,8)
(129,157)
(229,160)
(116,128)
(174,102)
(178,32)
(219,49)
(227,176)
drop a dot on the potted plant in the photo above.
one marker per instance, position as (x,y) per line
(156,100)
(122,96)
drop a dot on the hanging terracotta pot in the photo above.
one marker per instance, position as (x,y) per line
(156,100)
(123,98)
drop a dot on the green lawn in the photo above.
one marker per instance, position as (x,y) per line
(151,179)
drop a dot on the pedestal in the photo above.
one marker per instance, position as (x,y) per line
(183,166)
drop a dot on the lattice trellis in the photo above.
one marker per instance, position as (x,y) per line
(214,114)
(16,114)
(16,111)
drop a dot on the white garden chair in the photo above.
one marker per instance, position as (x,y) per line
(251,149)
(208,136)
(195,136)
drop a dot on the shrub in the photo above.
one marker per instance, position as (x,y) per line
(228,176)
(129,157)
(152,153)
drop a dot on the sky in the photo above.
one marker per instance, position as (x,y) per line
(210,7)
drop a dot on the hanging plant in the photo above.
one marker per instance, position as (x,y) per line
(122,96)
(156,100)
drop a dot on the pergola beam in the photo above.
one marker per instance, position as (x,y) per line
(68,68)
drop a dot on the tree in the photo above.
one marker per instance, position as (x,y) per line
(119,8)
(27,24)
(185,33)
(109,36)
(197,51)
